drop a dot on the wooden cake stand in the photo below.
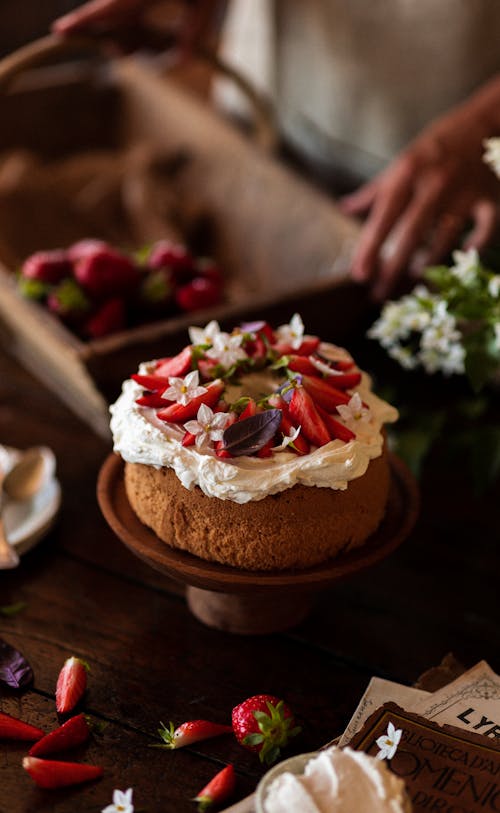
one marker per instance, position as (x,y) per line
(245,601)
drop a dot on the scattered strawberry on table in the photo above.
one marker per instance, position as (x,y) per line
(190,732)
(264,724)
(218,790)
(97,289)
(71,684)
(70,734)
(49,773)
(13,729)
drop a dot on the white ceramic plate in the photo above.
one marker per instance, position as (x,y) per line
(27,521)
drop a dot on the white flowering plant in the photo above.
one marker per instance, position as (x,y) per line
(451,325)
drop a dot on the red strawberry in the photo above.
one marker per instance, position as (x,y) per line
(176,413)
(301,364)
(47,266)
(153,400)
(337,429)
(176,366)
(197,294)
(71,684)
(50,774)
(264,724)
(73,732)
(220,451)
(218,789)
(188,439)
(304,414)
(82,248)
(174,257)
(343,381)
(207,368)
(205,267)
(106,273)
(13,729)
(109,318)
(308,346)
(153,382)
(300,444)
(249,411)
(324,394)
(190,732)
(266,450)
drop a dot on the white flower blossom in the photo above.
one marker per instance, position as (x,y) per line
(354,411)
(399,319)
(404,356)
(183,390)
(204,335)
(441,331)
(465,266)
(494,286)
(287,440)
(122,802)
(226,349)
(292,333)
(208,427)
(492,154)
(388,743)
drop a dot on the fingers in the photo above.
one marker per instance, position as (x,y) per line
(485,216)
(198,25)
(408,235)
(392,196)
(361,200)
(446,236)
(96,13)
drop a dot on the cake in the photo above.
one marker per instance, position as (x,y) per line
(340,780)
(262,449)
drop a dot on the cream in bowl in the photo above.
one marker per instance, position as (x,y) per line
(336,780)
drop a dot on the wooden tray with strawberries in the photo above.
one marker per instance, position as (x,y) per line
(93,148)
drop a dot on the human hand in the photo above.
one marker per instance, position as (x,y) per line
(129,23)
(418,208)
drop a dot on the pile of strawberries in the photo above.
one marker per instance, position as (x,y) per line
(49,773)
(96,289)
(304,407)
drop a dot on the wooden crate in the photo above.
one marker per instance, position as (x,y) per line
(279,239)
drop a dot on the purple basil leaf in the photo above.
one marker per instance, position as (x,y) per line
(15,670)
(251,434)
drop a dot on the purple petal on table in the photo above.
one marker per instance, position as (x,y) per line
(249,435)
(15,670)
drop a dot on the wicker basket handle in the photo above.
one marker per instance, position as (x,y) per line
(43,50)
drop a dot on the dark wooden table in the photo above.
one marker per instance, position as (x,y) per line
(151,660)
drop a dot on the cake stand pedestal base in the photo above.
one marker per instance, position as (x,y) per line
(248,614)
(254,602)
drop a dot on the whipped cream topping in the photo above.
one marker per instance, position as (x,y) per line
(340,780)
(140,437)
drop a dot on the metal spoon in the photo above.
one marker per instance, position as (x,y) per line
(22,481)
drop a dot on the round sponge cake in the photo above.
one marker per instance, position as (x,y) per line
(296,528)
(260,449)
